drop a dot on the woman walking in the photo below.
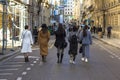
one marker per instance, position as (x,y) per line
(26,42)
(60,42)
(43,39)
(86,38)
(73,44)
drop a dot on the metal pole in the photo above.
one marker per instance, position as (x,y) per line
(3,27)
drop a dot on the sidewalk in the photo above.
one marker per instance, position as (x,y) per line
(112,41)
(9,51)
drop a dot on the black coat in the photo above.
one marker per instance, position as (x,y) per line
(73,45)
(60,39)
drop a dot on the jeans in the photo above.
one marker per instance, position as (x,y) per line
(86,50)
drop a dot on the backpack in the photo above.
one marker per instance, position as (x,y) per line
(73,39)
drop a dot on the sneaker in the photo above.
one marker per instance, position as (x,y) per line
(73,62)
(86,60)
(82,58)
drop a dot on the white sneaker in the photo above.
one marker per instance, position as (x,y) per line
(82,58)
(73,62)
(86,60)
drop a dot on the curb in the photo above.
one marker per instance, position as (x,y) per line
(109,43)
(8,55)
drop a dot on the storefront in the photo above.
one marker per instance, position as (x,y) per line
(16,17)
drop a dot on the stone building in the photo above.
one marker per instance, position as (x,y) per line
(13,17)
(104,13)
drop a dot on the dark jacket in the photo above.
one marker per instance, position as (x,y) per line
(73,43)
(60,39)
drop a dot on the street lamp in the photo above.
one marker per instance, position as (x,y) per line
(3,25)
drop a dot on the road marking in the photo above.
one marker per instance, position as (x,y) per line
(29,57)
(24,73)
(28,68)
(11,66)
(37,59)
(16,62)
(112,56)
(32,64)
(112,53)
(19,78)
(51,46)
(9,69)
(5,74)
(35,62)
(3,79)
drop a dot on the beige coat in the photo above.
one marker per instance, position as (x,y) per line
(43,39)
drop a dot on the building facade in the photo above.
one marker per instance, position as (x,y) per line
(103,13)
(72,10)
(13,18)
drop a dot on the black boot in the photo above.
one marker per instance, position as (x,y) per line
(61,58)
(44,58)
(58,55)
(26,59)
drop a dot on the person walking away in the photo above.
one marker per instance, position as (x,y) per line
(100,34)
(73,45)
(26,42)
(94,29)
(35,34)
(59,42)
(43,39)
(86,38)
(109,28)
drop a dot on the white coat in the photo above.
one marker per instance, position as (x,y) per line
(26,41)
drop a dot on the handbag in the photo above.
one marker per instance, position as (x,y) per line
(65,44)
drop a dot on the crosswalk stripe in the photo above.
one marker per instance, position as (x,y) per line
(8,69)
(19,78)
(10,65)
(5,74)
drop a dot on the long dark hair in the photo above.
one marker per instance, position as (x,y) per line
(74,28)
(60,28)
(44,28)
(84,31)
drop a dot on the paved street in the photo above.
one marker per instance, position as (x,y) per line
(104,64)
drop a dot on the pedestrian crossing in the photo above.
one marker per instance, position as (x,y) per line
(10,69)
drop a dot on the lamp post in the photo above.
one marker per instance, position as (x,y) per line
(3,25)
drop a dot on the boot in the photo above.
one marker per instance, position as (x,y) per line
(26,59)
(61,58)
(44,58)
(58,55)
